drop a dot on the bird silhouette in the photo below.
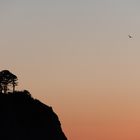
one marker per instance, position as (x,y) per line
(130,36)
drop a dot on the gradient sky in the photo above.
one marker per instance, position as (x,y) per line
(75,55)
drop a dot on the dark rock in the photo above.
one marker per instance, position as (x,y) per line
(25,118)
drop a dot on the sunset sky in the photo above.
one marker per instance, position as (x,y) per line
(76,56)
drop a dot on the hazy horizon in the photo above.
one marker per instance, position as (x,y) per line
(77,57)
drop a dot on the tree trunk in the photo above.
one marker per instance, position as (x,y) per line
(13,88)
(5,89)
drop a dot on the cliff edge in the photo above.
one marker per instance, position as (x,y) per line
(25,118)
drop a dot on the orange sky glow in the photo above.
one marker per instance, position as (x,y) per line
(76,56)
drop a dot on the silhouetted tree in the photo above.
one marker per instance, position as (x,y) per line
(14,81)
(7,79)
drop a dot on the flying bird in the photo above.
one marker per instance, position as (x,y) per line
(130,36)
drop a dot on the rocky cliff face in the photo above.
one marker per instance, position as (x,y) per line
(25,118)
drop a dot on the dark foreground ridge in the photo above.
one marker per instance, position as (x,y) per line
(25,118)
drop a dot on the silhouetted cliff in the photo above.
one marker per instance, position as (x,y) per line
(25,118)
